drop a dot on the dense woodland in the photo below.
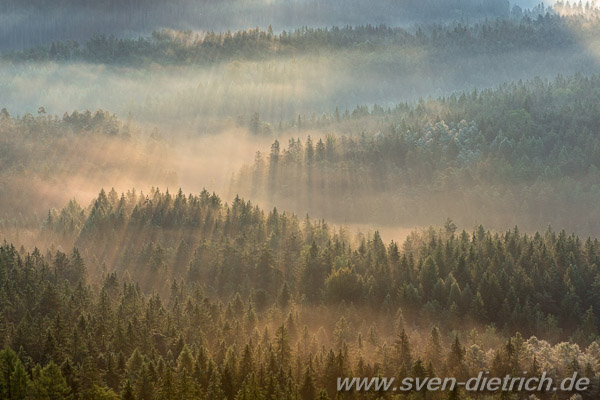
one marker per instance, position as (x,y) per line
(525,33)
(84,18)
(44,156)
(277,288)
(200,299)
(527,151)
(189,78)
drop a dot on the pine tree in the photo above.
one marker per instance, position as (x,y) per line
(127,391)
(49,383)
(250,391)
(144,386)
(282,345)
(341,332)
(589,326)
(433,349)
(313,274)
(456,359)
(19,381)
(429,275)
(478,311)
(403,352)
(307,390)
(284,297)
(214,390)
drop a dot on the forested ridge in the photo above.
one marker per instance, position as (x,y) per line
(398,188)
(184,77)
(239,248)
(42,155)
(515,151)
(85,18)
(193,298)
(524,33)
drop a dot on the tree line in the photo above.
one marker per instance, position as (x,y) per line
(228,301)
(523,153)
(524,31)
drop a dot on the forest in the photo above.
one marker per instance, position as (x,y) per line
(522,148)
(194,80)
(187,47)
(232,302)
(43,157)
(78,19)
(253,200)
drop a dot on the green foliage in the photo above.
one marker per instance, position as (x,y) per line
(168,46)
(201,337)
(477,156)
(48,383)
(343,284)
(510,279)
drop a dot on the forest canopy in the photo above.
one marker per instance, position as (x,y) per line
(257,297)
(399,189)
(525,153)
(528,32)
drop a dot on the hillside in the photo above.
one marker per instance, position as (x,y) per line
(524,154)
(199,298)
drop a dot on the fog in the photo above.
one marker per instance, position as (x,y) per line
(77,167)
(193,120)
(200,98)
(34,22)
(191,214)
